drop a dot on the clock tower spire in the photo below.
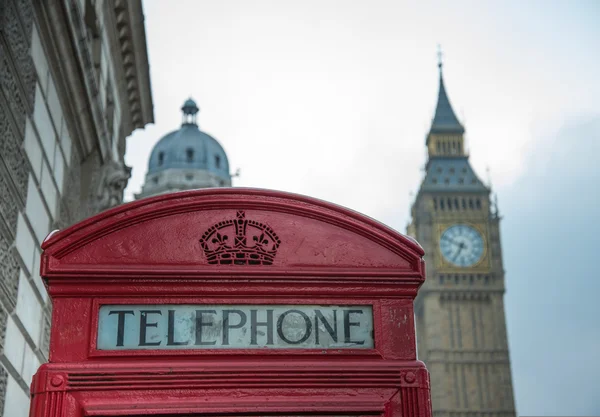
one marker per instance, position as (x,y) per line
(461,330)
(446,135)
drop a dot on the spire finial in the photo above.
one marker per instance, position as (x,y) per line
(445,120)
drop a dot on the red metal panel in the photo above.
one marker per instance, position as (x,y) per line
(165,231)
(283,249)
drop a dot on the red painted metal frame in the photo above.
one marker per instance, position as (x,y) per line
(147,252)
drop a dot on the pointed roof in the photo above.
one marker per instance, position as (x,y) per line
(452,174)
(445,120)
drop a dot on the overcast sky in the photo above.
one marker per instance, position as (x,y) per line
(333,99)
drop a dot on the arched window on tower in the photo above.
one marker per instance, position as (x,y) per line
(478,204)
(161,158)
(217,161)
(189,154)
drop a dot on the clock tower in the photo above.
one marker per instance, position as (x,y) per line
(461,329)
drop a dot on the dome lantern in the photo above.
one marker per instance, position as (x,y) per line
(189,110)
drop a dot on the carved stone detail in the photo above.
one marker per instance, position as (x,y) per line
(3,320)
(10,87)
(129,61)
(25,8)
(17,72)
(70,203)
(17,82)
(13,156)
(111,185)
(9,274)
(3,382)
(9,206)
(17,32)
(90,188)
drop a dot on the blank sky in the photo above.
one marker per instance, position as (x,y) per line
(333,99)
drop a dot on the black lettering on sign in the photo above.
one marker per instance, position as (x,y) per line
(171,331)
(227,325)
(200,323)
(308,327)
(205,326)
(331,330)
(348,324)
(144,325)
(254,326)
(121,324)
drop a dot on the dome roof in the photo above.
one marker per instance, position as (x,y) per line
(189,148)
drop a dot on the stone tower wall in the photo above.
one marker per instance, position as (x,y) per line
(461,329)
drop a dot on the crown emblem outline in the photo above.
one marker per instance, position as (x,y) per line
(240,241)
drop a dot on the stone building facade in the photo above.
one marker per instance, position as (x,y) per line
(74,83)
(460,320)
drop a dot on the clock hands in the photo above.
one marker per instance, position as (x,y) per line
(452,241)
(455,243)
(461,246)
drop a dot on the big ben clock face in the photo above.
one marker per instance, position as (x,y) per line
(461,245)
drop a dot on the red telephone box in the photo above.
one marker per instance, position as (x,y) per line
(231,302)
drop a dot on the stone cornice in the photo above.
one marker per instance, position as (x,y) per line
(139,41)
(128,37)
(62,28)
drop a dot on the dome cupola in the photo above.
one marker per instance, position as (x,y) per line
(187,158)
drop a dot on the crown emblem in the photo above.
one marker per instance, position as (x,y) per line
(240,241)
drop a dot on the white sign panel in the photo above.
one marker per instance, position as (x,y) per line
(127,327)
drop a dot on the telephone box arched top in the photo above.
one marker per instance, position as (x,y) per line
(231,302)
(232,233)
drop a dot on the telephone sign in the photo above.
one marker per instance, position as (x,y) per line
(162,326)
